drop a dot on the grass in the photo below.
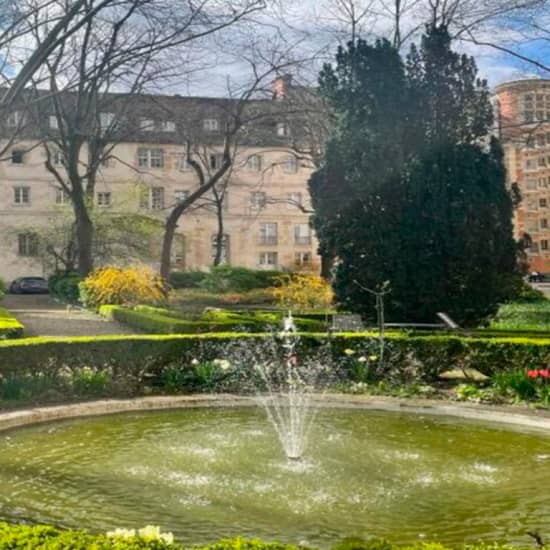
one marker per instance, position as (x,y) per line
(10,327)
(534,317)
(196,299)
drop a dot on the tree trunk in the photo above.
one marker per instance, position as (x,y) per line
(84,237)
(167,241)
(219,234)
(327,261)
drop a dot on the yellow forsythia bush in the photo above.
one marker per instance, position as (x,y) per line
(303,291)
(122,286)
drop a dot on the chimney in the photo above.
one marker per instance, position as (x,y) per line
(280,87)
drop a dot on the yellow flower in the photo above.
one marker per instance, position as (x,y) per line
(373,357)
(349,351)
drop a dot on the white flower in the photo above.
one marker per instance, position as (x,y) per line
(349,351)
(362,359)
(152,532)
(195,362)
(223,364)
(122,533)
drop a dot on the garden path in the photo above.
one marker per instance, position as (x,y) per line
(42,316)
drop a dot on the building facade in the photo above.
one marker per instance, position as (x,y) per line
(523,118)
(265,211)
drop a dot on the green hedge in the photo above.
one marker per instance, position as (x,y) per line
(42,537)
(134,354)
(10,327)
(157,320)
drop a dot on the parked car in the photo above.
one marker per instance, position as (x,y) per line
(29,285)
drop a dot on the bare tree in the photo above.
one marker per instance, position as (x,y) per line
(128,49)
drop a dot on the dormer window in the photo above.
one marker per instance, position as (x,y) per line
(146,124)
(211,124)
(283,129)
(14,119)
(58,158)
(106,120)
(52,120)
(167,126)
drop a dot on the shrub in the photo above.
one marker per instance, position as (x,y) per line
(65,287)
(186,279)
(303,291)
(3,288)
(523,316)
(226,278)
(121,286)
(529,294)
(10,327)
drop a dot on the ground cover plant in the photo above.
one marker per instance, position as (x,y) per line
(42,537)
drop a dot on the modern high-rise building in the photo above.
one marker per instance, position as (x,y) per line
(523,123)
(265,211)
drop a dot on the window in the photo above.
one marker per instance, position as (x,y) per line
(52,121)
(211,124)
(27,244)
(61,196)
(282,129)
(530,164)
(268,259)
(532,204)
(290,165)
(258,199)
(540,115)
(302,259)
(302,234)
(215,161)
(268,233)
(530,142)
(544,244)
(543,203)
(531,184)
(534,248)
(294,201)
(21,195)
(529,116)
(146,124)
(104,198)
(181,194)
(58,158)
(17,156)
(541,140)
(150,158)
(542,161)
(544,223)
(167,126)
(14,119)
(254,163)
(106,120)
(157,198)
(224,258)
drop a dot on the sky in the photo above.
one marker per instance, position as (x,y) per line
(315,28)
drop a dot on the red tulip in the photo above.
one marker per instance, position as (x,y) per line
(545,373)
(532,373)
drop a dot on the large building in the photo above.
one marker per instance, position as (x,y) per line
(266,205)
(523,117)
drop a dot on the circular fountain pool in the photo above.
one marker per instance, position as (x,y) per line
(210,473)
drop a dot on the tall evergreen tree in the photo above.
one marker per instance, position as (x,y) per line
(423,202)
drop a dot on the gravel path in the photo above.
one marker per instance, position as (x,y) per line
(42,316)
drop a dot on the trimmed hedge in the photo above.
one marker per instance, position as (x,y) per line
(157,320)
(134,354)
(10,327)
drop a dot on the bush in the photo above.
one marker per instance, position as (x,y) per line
(186,279)
(65,287)
(3,288)
(226,278)
(42,537)
(121,286)
(303,291)
(528,294)
(10,327)
(523,316)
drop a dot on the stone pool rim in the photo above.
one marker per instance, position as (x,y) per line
(511,416)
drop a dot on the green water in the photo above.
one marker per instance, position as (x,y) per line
(210,473)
